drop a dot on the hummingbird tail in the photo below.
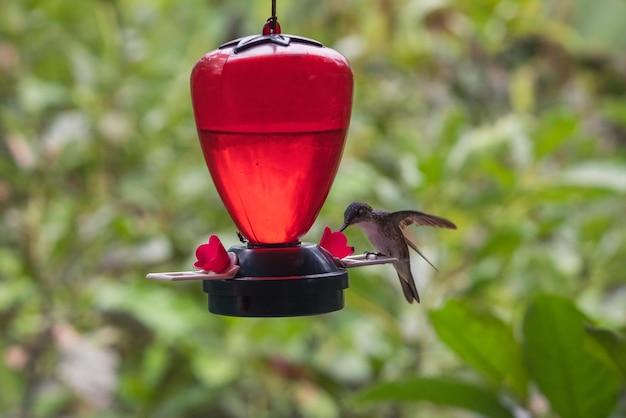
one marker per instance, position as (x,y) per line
(410,292)
(408,287)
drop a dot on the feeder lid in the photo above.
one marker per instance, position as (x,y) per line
(247,42)
(271,35)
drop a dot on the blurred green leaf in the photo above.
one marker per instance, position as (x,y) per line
(440,391)
(600,23)
(596,174)
(614,343)
(575,380)
(484,342)
(521,90)
(554,130)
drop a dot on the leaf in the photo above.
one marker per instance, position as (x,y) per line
(600,28)
(555,129)
(484,342)
(510,130)
(614,344)
(576,381)
(596,174)
(522,89)
(440,391)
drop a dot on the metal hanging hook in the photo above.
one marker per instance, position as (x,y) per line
(272,27)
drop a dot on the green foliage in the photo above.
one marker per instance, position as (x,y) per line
(575,379)
(578,377)
(484,342)
(615,345)
(506,116)
(441,391)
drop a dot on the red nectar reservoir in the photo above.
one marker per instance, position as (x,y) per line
(272,114)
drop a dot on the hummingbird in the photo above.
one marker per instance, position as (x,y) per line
(386,232)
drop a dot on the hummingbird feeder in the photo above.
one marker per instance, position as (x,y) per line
(272,112)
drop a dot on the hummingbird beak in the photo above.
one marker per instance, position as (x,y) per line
(344,227)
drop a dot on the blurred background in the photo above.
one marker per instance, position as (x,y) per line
(507,117)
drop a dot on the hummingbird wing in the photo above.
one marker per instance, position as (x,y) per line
(405,218)
(414,247)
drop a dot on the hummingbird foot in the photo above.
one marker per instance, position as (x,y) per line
(341,263)
(369,253)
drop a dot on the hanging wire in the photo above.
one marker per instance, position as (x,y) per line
(273,18)
(273,9)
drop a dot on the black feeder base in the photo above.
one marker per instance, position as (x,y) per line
(279,281)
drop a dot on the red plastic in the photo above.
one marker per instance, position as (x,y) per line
(212,256)
(272,122)
(336,243)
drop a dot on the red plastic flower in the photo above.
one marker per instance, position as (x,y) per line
(212,256)
(335,243)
